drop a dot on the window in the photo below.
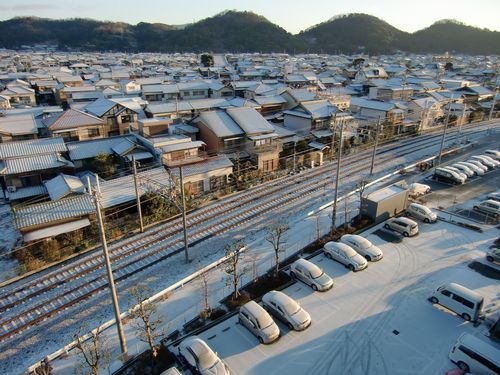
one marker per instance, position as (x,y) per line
(93,132)
(479,358)
(457,298)
(468,303)
(446,293)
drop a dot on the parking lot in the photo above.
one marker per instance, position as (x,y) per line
(376,321)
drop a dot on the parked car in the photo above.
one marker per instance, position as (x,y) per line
(198,355)
(475,356)
(346,255)
(403,225)
(363,247)
(495,162)
(493,255)
(478,164)
(494,196)
(311,274)
(464,169)
(259,322)
(459,299)
(171,371)
(484,161)
(287,310)
(445,175)
(419,211)
(416,189)
(489,207)
(493,154)
(456,170)
(477,170)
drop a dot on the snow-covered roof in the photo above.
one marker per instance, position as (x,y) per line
(62,185)
(70,119)
(31,147)
(18,125)
(92,148)
(33,163)
(250,120)
(221,124)
(212,164)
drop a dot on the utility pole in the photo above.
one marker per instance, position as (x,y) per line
(137,196)
(375,146)
(184,224)
(294,155)
(111,282)
(339,154)
(490,116)
(444,135)
(459,140)
(333,133)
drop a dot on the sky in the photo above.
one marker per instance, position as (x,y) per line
(292,15)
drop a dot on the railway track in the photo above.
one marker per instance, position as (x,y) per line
(130,257)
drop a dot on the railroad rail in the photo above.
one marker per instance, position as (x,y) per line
(80,281)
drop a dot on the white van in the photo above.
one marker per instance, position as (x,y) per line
(463,301)
(259,322)
(473,355)
(477,170)
(419,211)
(403,225)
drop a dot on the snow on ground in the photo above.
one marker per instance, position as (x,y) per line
(184,303)
(353,324)
(8,239)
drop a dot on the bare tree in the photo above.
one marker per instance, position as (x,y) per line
(44,368)
(203,283)
(252,261)
(318,226)
(95,352)
(144,318)
(361,187)
(276,237)
(233,253)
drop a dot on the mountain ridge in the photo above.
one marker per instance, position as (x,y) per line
(234,31)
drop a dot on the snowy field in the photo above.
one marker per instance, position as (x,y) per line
(184,303)
(353,325)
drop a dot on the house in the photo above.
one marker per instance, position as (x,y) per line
(310,116)
(118,117)
(374,109)
(19,94)
(388,93)
(4,102)
(18,128)
(209,175)
(367,73)
(475,93)
(426,111)
(83,153)
(24,165)
(74,125)
(240,133)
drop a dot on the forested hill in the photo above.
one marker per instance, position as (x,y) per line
(233,31)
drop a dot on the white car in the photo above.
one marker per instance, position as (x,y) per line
(489,207)
(495,162)
(200,357)
(403,225)
(464,169)
(495,196)
(346,255)
(457,171)
(259,322)
(311,274)
(493,154)
(287,310)
(362,246)
(478,164)
(477,170)
(484,161)
(417,189)
(421,212)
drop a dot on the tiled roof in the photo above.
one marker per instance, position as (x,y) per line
(71,118)
(33,163)
(31,147)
